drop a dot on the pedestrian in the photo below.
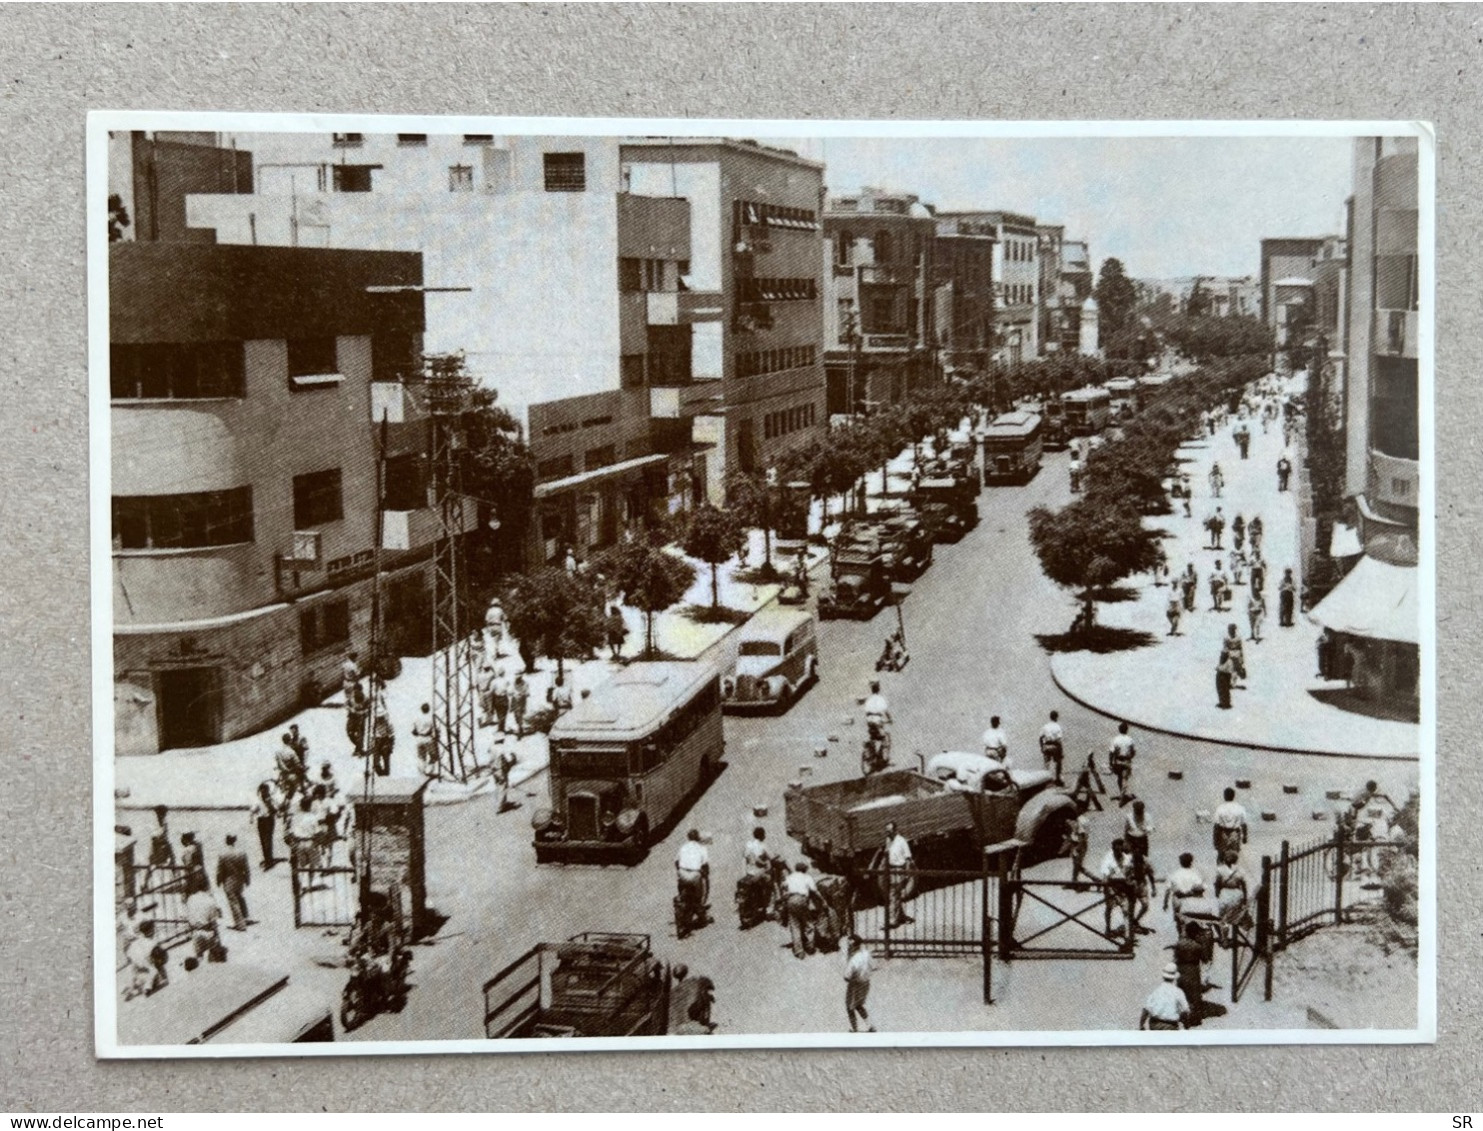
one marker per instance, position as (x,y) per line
(996,742)
(499,700)
(1189,962)
(691,1002)
(559,695)
(1258,572)
(425,735)
(1256,528)
(203,914)
(800,893)
(616,632)
(1217,529)
(1190,585)
(1256,612)
(265,808)
(1287,594)
(494,630)
(1117,888)
(1284,471)
(1136,827)
(899,864)
(383,737)
(571,561)
(857,969)
(1238,568)
(484,688)
(1229,829)
(1078,840)
(1243,440)
(1185,882)
(1173,611)
(193,862)
(519,700)
(147,963)
(1217,587)
(161,850)
(357,710)
(1224,673)
(1051,744)
(1231,646)
(1217,480)
(300,746)
(350,670)
(233,875)
(1238,532)
(288,767)
(1120,759)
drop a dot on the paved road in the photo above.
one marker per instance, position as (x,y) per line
(971,620)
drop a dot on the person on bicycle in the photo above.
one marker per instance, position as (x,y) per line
(1120,758)
(877,711)
(693,867)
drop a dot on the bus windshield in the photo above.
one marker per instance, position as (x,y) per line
(760,648)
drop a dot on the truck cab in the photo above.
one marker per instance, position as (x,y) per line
(860,587)
(948,506)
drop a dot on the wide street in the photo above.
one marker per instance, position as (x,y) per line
(972,621)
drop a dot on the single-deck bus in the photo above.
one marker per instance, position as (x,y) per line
(1087,410)
(1012,447)
(625,760)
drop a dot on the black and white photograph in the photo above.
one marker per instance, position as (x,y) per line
(575,584)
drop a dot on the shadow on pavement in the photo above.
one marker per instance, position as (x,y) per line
(1100,639)
(1348,700)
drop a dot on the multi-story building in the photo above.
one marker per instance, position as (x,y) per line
(963,293)
(246,385)
(878,320)
(565,288)
(1374,610)
(1300,286)
(1065,285)
(153,173)
(1016,282)
(756,241)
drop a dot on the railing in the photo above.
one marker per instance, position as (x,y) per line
(323,884)
(948,914)
(159,894)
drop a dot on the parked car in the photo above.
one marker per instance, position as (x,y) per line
(777,658)
(861,586)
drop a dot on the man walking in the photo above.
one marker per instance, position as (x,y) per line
(484,686)
(519,700)
(1173,611)
(1217,480)
(1258,569)
(193,860)
(1217,588)
(1287,597)
(1256,612)
(1117,887)
(899,860)
(1284,472)
(1190,585)
(1051,744)
(1229,828)
(1255,528)
(616,632)
(799,895)
(1231,647)
(233,875)
(425,735)
(1224,673)
(356,711)
(1166,1007)
(1120,758)
(1238,532)
(857,970)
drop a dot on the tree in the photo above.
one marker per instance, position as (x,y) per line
(1116,297)
(1092,544)
(118,217)
(712,535)
(650,579)
(499,471)
(1198,303)
(756,500)
(555,614)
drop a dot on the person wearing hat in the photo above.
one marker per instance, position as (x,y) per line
(1166,1007)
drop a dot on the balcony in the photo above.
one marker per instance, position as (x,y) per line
(1394,333)
(682,401)
(684,308)
(1393,481)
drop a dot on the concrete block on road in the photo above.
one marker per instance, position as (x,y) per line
(759,811)
(1334,794)
(1243,783)
(834,738)
(1289,788)
(1268,815)
(1320,815)
(1176,775)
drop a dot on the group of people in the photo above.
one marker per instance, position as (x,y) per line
(312,808)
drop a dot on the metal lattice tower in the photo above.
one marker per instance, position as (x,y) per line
(453,693)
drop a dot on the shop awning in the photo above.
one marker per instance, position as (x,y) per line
(1344,543)
(586,478)
(1375,600)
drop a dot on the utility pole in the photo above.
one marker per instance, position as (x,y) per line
(453,662)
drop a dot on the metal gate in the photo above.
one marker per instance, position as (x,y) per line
(947,913)
(324,891)
(159,894)
(1061,919)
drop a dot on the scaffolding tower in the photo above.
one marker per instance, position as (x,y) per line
(453,692)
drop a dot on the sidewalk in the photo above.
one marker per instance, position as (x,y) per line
(226,776)
(1169,685)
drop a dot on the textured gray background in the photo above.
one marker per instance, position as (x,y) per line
(747,61)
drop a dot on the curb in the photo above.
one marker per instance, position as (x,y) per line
(1155,728)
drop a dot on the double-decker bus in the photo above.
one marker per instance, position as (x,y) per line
(1086,410)
(625,761)
(1012,447)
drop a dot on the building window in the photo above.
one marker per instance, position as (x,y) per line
(460,178)
(566,172)
(1395,409)
(599,457)
(348,141)
(352,178)
(883,246)
(411,139)
(556,468)
(310,358)
(844,248)
(630,275)
(631,371)
(323,626)
(478,139)
(182,522)
(175,370)
(405,485)
(1396,282)
(317,499)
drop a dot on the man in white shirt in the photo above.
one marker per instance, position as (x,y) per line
(857,970)
(996,742)
(1052,740)
(1166,1007)
(755,854)
(1120,758)
(1230,830)
(877,710)
(898,856)
(1116,876)
(799,894)
(1184,883)
(693,866)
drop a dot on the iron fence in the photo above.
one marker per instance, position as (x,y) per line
(324,888)
(926,913)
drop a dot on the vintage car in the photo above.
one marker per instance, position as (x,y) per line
(777,658)
(861,585)
(900,535)
(949,507)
